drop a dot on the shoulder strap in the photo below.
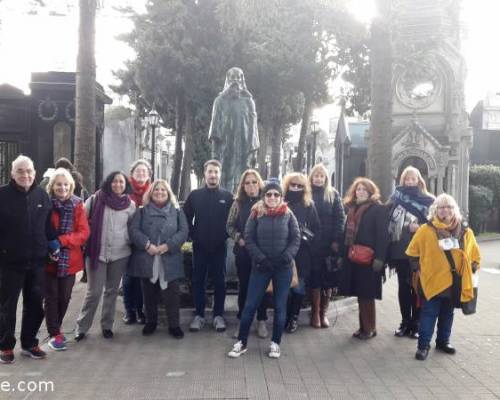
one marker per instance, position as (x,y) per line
(92,202)
(451,261)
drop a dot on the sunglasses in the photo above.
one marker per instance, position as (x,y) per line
(251,182)
(296,185)
(273,194)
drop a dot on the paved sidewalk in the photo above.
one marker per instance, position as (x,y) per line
(315,364)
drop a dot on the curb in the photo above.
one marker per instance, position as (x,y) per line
(480,239)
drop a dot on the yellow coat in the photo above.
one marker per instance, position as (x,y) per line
(435,273)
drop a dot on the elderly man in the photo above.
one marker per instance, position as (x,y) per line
(24,227)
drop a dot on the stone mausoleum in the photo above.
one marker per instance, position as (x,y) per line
(430,128)
(42,125)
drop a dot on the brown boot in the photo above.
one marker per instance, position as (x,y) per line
(315,308)
(325,302)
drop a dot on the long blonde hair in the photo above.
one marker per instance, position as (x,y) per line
(373,190)
(307,197)
(412,170)
(171,196)
(329,196)
(240,192)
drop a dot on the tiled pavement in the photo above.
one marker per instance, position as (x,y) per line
(315,364)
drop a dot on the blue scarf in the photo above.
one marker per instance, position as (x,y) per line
(413,200)
(66,210)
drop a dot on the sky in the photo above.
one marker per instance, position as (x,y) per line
(30,43)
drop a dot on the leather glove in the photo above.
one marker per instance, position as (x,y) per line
(475,267)
(378,265)
(283,259)
(264,265)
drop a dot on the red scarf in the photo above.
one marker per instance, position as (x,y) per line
(260,209)
(354,214)
(138,191)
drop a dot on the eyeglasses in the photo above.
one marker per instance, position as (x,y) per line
(297,185)
(251,182)
(273,194)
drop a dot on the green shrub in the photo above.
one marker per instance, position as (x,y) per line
(487,176)
(480,207)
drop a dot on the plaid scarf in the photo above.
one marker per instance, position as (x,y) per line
(66,212)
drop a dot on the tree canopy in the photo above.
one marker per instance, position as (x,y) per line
(289,50)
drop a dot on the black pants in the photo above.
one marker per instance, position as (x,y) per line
(57,297)
(13,280)
(410,313)
(244,268)
(170,297)
(132,294)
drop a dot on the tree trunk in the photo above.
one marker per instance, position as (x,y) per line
(85,120)
(180,116)
(306,119)
(276,150)
(380,145)
(188,153)
(262,153)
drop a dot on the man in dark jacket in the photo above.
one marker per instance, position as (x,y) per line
(207,210)
(24,227)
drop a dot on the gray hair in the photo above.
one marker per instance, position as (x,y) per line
(444,199)
(22,159)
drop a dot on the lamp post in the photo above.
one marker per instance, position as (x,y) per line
(314,131)
(153,121)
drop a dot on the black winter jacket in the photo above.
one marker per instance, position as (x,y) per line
(272,236)
(332,220)
(307,217)
(206,212)
(24,226)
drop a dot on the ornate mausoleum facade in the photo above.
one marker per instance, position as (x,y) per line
(430,126)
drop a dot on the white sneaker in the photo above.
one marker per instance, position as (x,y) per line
(197,324)
(274,350)
(262,329)
(238,350)
(219,324)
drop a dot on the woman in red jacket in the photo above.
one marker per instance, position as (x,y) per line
(71,230)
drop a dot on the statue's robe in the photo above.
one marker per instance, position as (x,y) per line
(234,134)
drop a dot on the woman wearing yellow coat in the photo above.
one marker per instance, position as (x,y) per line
(427,251)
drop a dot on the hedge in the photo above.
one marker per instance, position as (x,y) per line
(484,197)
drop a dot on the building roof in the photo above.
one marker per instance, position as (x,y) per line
(9,92)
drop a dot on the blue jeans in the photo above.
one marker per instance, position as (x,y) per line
(440,309)
(213,264)
(257,286)
(132,294)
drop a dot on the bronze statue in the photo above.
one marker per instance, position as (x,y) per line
(233,130)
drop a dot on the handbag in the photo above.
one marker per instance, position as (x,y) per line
(469,307)
(295,279)
(361,254)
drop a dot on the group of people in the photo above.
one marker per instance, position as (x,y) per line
(289,238)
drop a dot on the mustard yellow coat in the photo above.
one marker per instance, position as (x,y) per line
(435,274)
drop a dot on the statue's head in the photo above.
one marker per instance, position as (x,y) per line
(235,79)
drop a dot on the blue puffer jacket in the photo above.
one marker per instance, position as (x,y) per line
(271,236)
(157,225)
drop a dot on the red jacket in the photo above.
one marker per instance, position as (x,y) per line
(73,240)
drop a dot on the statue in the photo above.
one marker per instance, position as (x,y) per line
(233,130)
